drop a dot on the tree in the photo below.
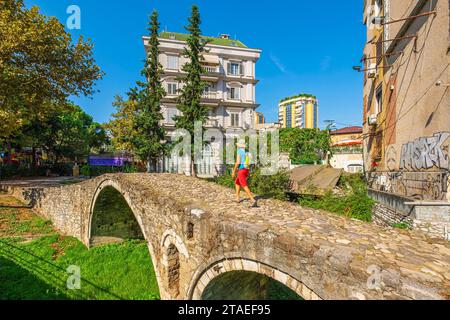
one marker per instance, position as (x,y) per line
(189,101)
(305,146)
(66,132)
(121,126)
(38,63)
(148,133)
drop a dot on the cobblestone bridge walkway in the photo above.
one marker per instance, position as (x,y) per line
(317,254)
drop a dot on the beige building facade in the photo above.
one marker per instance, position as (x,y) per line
(230,74)
(407,98)
(347,149)
(230,93)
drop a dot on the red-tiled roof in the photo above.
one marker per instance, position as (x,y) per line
(347,130)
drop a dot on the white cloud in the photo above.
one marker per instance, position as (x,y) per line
(278,63)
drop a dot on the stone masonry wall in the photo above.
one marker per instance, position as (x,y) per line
(390,209)
(386,217)
(317,254)
(65,206)
(433,220)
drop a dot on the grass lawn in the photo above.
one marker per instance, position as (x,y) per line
(34,261)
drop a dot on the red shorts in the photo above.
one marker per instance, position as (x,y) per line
(242,178)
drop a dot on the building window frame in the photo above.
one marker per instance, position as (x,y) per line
(379,99)
(235,119)
(170,113)
(173,64)
(234,91)
(235,68)
(288,120)
(172,88)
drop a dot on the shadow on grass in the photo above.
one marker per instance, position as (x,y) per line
(40,268)
(17,283)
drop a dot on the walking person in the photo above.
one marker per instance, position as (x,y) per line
(241,172)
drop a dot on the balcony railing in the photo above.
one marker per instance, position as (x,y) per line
(209,69)
(210,95)
(210,123)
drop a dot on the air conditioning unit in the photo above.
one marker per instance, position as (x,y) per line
(372,74)
(372,71)
(372,120)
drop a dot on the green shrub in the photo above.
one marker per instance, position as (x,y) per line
(95,171)
(354,204)
(13,170)
(305,146)
(274,186)
(225,178)
(401,225)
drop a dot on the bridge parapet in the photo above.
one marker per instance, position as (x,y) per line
(195,232)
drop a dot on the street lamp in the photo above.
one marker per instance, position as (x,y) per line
(330,124)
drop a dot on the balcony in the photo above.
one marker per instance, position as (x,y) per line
(212,123)
(210,95)
(211,69)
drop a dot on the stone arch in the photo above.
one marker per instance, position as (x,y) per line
(203,278)
(112,218)
(115,185)
(172,246)
(171,237)
(173,270)
(88,224)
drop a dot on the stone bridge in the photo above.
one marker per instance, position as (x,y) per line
(195,232)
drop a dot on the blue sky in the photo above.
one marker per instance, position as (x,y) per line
(307,46)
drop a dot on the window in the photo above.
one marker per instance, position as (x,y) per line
(172,88)
(234,68)
(209,91)
(260,118)
(289,116)
(235,120)
(379,99)
(379,49)
(172,62)
(235,93)
(316,116)
(171,113)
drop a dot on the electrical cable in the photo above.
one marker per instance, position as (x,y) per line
(420,52)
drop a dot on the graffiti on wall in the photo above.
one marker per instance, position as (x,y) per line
(391,158)
(417,185)
(426,153)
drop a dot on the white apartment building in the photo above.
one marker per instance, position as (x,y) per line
(231,76)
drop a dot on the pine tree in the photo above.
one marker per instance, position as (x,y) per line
(191,91)
(148,134)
